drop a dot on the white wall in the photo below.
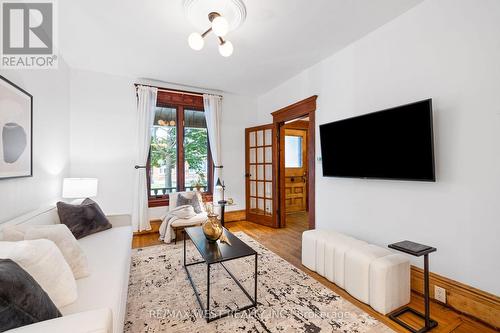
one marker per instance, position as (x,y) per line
(50,92)
(103,136)
(103,127)
(448,50)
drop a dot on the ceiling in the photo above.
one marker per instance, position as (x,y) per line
(280,38)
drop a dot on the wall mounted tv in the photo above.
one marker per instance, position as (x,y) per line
(396,143)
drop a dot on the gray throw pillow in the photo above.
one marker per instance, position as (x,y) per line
(22,300)
(182,200)
(84,219)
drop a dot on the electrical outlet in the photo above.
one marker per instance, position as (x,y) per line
(440,294)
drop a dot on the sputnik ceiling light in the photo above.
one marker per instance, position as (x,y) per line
(220,27)
(224,16)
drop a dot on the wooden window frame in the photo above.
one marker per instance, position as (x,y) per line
(180,101)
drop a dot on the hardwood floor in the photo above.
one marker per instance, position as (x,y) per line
(286,243)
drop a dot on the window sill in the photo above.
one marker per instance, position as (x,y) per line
(162,202)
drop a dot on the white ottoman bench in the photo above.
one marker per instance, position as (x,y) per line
(324,243)
(309,248)
(341,248)
(357,269)
(313,248)
(329,256)
(389,283)
(371,274)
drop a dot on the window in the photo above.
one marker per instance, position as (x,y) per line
(163,152)
(179,158)
(293,151)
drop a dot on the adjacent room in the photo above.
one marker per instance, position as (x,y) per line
(237,166)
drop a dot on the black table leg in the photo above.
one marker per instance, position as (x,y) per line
(207,315)
(429,323)
(184,250)
(222,209)
(255,281)
(426,292)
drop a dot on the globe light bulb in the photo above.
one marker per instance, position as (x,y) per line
(220,26)
(196,41)
(226,49)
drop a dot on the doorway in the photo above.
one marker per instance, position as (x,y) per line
(295,194)
(272,191)
(294,137)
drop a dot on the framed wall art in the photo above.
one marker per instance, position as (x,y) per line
(16,131)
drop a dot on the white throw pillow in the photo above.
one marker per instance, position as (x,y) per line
(61,236)
(14,233)
(43,260)
(66,242)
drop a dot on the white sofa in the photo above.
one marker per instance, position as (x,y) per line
(371,274)
(102,296)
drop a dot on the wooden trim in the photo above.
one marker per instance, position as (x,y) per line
(276,180)
(167,99)
(299,124)
(463,298)
(158,202)
(280,196)
(155,227)
(306,107)
(235,215)
(311,157)
(176,91)
(296,110)
(180,149)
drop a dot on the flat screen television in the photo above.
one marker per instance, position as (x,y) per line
(396,143)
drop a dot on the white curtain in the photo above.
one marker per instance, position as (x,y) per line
(213,111)
(146,104)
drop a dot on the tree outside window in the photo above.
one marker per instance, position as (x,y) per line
(165,156)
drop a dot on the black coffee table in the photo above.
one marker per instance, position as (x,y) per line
(218,253)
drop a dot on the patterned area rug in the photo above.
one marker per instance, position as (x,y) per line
(161,299)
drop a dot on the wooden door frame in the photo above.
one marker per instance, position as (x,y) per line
(303,108)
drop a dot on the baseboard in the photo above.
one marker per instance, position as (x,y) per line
(235,215)
(462,298)
(155,227)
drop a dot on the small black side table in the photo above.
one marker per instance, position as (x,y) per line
(416,250)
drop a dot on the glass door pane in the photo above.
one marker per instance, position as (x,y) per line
(259,166)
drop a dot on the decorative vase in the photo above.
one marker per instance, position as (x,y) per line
(14,142)
(212,228)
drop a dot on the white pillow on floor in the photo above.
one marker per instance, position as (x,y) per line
(61,236)
(43,260)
